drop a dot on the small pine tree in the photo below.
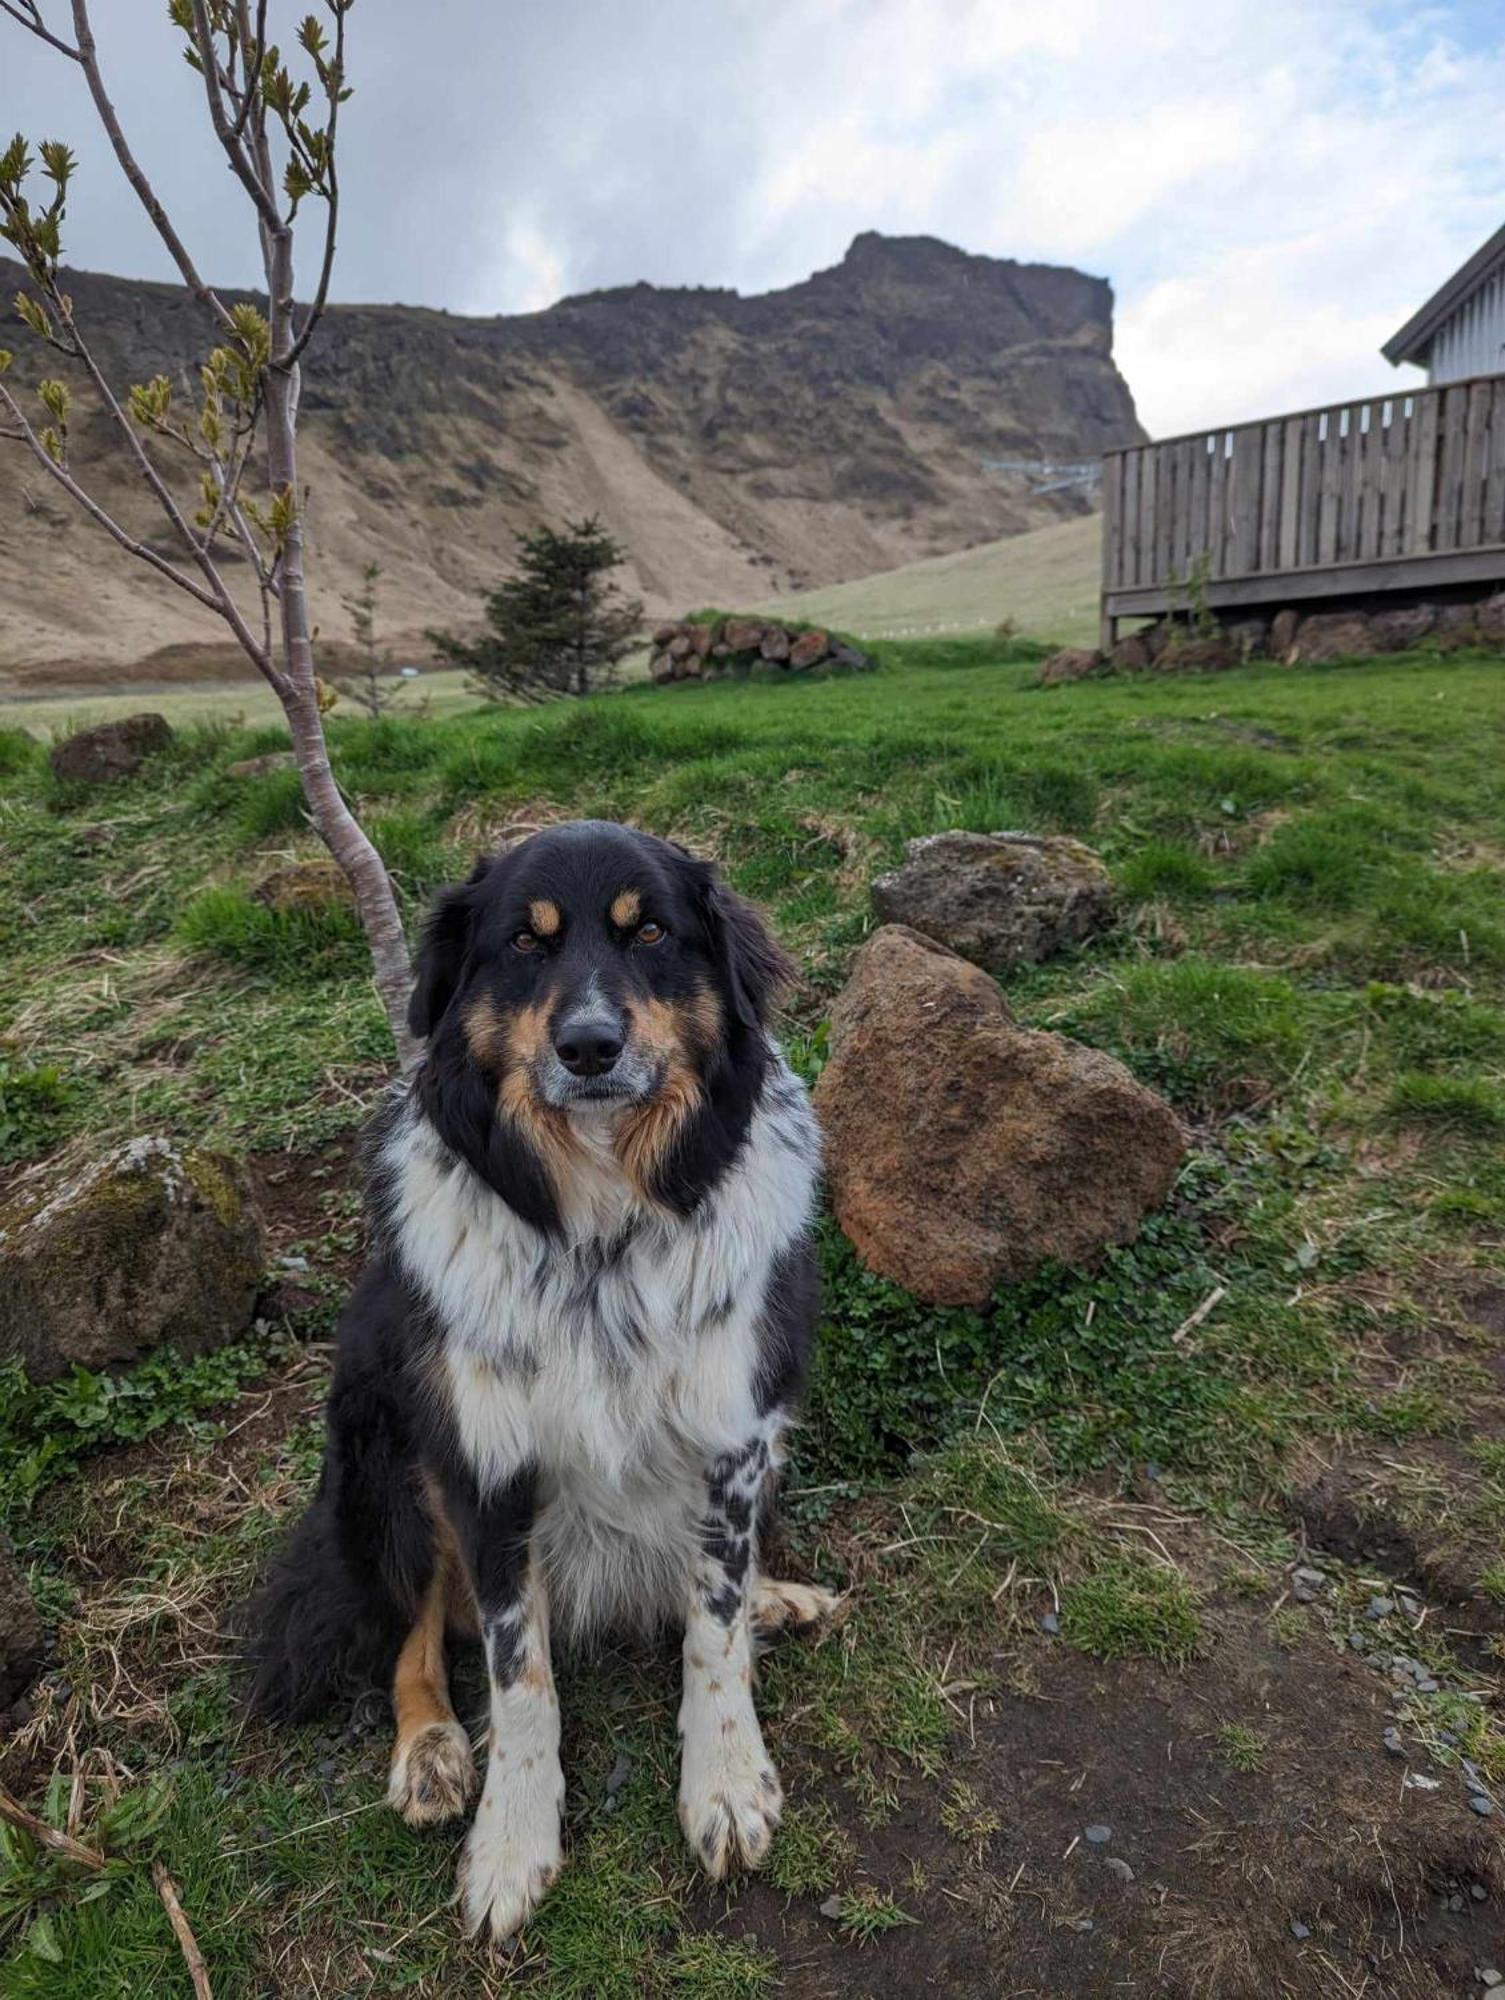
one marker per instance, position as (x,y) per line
(560,626)
(368,690)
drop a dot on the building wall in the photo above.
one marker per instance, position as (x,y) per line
(1472,342)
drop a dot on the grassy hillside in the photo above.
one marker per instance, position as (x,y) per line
(1045,581)
(1069,1523)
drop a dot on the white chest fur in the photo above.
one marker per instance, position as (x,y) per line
(616,1359)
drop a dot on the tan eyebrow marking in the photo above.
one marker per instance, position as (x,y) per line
(544,917)
(627,907)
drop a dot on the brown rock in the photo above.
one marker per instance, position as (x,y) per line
(1000,899)
(1131,654)
(1406,625)
(1249,637)
(1491,620)
(113,750)
(661,666)
(1457,625)
(1194,652)
(1072,663)
(152,1242)
(963,1149)
(775,646)
(20,1628)
(264,766)
(662,634)
(680,646)
(743,635)
(702,638)
(319,884)
(1284,627)
(1164,632)
(1335,635)
(809,649)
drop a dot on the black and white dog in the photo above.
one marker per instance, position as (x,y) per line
(564,1379)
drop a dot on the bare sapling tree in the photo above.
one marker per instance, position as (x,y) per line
(369,691)
(238,442)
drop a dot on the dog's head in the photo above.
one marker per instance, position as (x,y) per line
(593,974)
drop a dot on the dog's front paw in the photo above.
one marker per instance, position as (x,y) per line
(512,1855)
(729,1796)
(433,1774)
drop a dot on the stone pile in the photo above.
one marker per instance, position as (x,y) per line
(703,650)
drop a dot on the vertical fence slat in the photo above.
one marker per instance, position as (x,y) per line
(1397,445)
(1286,556)
(1475,448)
(1112,475)
(1450,467)
(1494,481)
(1421,486)
(1148,474)
(1267,548)
(1330,475)
(1217,503)
(1309,510)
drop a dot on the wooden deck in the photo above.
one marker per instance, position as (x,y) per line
(1392,493)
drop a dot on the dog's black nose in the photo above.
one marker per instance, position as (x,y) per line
(589,1048)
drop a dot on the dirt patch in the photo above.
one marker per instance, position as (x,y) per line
(1315,1874)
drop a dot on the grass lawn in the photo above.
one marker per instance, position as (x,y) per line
(1069,1523)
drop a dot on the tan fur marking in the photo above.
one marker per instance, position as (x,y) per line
(626,908)
(649,1130)
(544,918)
(485,1033)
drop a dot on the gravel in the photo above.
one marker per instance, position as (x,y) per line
(1099,1836)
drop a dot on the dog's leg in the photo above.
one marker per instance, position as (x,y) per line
(729,1796)
(513,1852)
(433,1771)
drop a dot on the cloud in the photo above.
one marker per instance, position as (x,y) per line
(1272,186)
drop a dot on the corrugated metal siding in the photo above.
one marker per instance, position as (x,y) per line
(1472,342)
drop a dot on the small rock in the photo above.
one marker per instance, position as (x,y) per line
(1394,1743)
(1481,1805)
(1488,1976)
(1099,1836)
(1473,1781)
(1426,1685)
(1116,1865)
(1050,1623)
(1306,1584)
(1418,1781)
(1300,1930)
(832,1907)
(1478,1891)
(1072,663)
(1379,1607)
(319,884)
(617,1777)
(1454,1904)
(263,766)
(1359,1642)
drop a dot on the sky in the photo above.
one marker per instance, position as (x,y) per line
(1272,186)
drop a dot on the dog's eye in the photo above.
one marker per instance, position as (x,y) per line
(525,941)
(650,933)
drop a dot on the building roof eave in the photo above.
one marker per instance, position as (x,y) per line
(1414,338)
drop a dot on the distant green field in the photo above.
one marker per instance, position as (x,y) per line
(1046,582)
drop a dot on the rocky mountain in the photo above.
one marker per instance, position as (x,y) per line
(878,412)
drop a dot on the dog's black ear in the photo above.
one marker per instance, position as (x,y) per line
(441,955)
(753,964)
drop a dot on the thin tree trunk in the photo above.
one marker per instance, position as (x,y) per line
(337,826)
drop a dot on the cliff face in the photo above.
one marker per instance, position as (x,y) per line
(737,446)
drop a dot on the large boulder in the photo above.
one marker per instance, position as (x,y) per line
(152,1243)
(1000,899)
(20,1629)
(808,649)
(113,750)
(963,1149)
(264,766)
(1130,654)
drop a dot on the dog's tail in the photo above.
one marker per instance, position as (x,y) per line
(317,1634)
(330,1619)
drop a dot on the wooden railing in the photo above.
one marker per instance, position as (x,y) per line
(1355,497)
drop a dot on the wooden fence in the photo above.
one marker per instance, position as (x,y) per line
(1390,493)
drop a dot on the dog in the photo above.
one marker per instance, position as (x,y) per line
(564,1381)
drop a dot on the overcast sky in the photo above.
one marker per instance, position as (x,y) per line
(1271,185)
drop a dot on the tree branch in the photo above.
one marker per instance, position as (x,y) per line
(226,130)
(88,57)
(29,14)
(331,194)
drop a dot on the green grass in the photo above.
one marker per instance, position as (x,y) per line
(1309,961)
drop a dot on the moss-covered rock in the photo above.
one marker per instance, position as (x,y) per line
(152,1244)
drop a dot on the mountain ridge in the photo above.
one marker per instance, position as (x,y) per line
(739,445)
